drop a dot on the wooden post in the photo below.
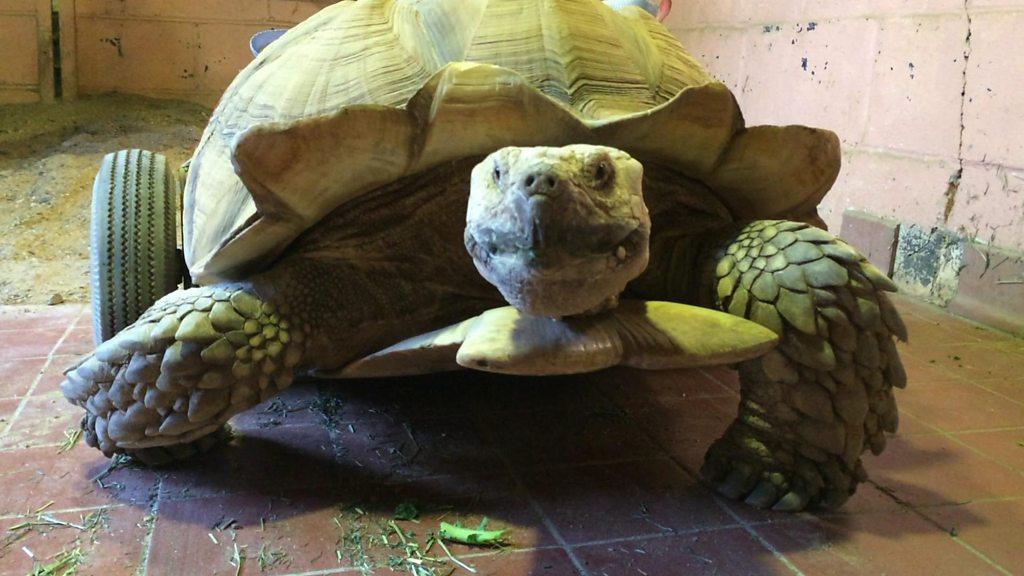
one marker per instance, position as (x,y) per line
(44,34)
(68,51)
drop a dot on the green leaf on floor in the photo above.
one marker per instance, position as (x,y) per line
(471,536)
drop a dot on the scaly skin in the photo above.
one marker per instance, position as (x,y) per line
(384,268)
(193,360)
(810,408)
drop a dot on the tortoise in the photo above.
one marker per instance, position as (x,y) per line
(379,185)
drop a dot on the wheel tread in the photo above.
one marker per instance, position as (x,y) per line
(134,238)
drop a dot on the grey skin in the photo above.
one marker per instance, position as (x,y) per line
(391,265)
(559,231)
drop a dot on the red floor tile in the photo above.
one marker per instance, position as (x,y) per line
(1011,387)
(436,395)
(78,341)
(293,407)
(505,394)
(311,527)
(895,544)
(544,439)
(959,406)
(113,548)
(391,449)
(602,502)
(689,428)
(910,425)
(968,361)
(17,376)
(922,372)
(43,421)
(7,408)
(299,526)
(637,389)
(1006,446)
(78,478)
(729,552)
(17,344)
(445,442)
(725,376)
(927,470)
(549,562)
(993,528)
(22,318)
(264,461)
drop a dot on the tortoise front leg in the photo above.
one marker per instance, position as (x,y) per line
(161,388)
(810,408)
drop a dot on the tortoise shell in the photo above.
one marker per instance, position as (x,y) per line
(366,92)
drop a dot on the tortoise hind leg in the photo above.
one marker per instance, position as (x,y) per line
(162,386)
(811,407)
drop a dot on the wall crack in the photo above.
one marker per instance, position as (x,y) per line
(955,179)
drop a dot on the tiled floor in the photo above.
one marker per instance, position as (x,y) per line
(592,475)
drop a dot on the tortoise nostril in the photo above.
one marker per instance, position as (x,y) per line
(540,183)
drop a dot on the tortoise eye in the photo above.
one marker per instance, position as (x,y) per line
(603,173)
(497,174)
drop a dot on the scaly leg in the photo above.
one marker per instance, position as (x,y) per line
(811,407)
(161,387)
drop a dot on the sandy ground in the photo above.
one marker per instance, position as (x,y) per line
(49,155)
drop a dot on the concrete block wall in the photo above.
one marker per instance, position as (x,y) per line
(173,48)
(26,68)
(926,95)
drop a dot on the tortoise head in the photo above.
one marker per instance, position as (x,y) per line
(559,231)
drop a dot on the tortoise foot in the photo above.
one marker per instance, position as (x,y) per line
(755,467)
(164,385)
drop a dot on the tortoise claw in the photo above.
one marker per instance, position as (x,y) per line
(763,496)
(791,502)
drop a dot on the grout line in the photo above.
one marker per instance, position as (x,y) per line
(952,436)
(39,377)
(52,512)
(997,393)
(534,504)
(931,521)
(470,556)
(710,376)
(147,541)
(742,523)
(16,447)
(981,555)
(981,430)
(989,500)
(757,536)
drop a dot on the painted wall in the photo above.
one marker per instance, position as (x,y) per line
(20,39)
(174,48)
(927,96)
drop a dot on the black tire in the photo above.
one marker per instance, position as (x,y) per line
(134,237)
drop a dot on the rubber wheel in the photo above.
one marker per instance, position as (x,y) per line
(134,237)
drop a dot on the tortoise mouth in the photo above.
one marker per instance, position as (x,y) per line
(561,280)
(615,244)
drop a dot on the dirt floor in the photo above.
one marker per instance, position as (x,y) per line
(49,155)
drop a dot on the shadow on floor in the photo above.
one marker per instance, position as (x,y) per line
(576,473)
